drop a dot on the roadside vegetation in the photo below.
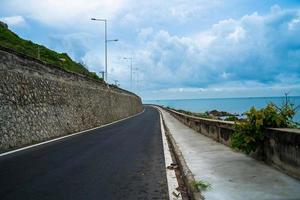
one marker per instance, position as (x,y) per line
(10,40)
(201,185)
(249,133)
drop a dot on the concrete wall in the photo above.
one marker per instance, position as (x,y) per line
(281,147)
(40,101)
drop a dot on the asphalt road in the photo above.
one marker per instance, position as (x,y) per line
(121,161)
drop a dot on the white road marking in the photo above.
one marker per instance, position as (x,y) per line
(66,136)
(171,176)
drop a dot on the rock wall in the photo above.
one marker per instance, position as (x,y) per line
(40,101)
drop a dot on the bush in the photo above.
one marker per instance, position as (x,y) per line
(201,185)
(94,76)
(231,118)
(249,134)
(12,41)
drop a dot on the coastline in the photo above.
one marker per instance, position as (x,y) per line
(230,105)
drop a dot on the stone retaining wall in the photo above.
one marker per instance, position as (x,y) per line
(40,101)
(281,147)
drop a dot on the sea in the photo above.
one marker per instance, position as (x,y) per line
(231,105)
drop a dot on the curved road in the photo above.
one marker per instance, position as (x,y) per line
(120,161)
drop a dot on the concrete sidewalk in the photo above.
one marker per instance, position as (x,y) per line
(232,175)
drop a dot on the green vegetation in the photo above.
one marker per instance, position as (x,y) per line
(231,118)
(201,185)
(12,41)
(249,134)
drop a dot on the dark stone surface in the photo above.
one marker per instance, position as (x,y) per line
(121,161)
(39,102)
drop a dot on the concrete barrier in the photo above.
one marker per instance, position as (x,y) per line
(281,147)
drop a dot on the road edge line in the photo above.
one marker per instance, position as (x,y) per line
(171,176)
(66,136)
(187,174)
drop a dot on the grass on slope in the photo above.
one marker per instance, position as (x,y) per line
(11,40)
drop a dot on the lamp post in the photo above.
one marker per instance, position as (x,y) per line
(137,78)
(102,74)
(106,41)
(130,58)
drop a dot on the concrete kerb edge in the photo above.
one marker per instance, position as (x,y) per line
(66,136)
(171,174)
(188,176)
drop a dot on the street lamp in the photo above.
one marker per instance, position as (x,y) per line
(130,58)
(137,78)
(106,41)
(102,74)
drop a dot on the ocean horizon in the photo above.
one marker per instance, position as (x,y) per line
(235,105)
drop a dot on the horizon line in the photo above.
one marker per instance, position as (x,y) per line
(220,98)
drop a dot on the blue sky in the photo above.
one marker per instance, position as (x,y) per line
(182,49)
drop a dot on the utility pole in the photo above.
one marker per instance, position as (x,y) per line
(137,78)
(102,74)
(116,83)
(130,58)
(105,22)
(105,43)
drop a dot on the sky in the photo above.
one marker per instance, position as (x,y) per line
(181,49)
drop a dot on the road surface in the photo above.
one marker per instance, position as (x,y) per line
(120,161)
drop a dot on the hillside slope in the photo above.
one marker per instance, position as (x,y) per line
(11,40)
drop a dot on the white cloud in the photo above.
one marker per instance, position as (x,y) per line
(14,20)
(258,49)
(145,33)
(225,75)
(79,41)
(294,24)
(93,60)
(129,19)
(237,35)
(185,11)
(204,39)
(59,13)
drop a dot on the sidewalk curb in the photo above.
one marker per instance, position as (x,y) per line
(172,180)
(188,176)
